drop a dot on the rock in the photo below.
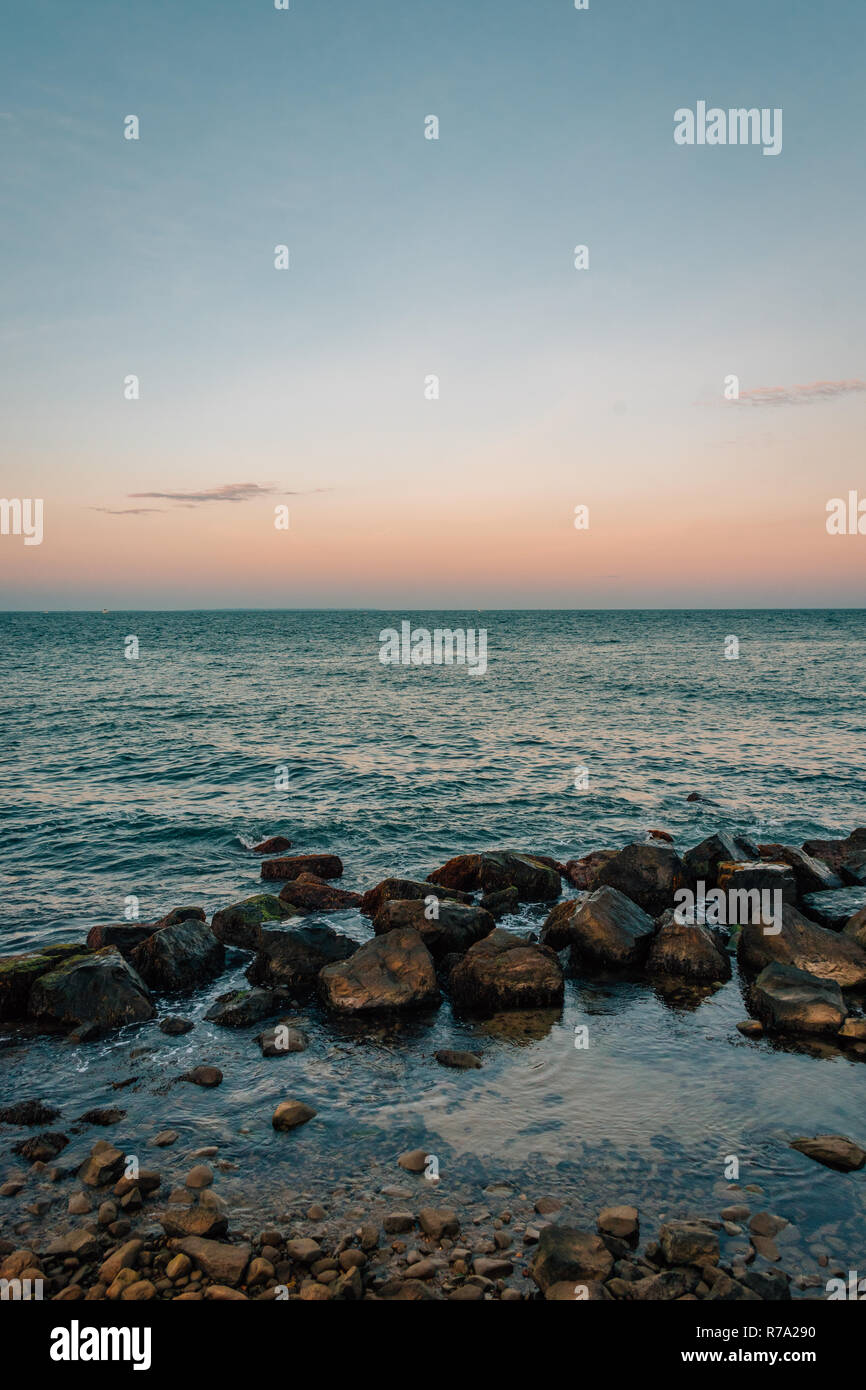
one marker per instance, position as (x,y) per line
(687,951)
(765,1223)
(535,881)
(223,1263)
(242,1007)
(461,1061)
(41,1148)
(843,857)
(124,1258)
(164,1138)
(289,1114)
(855,927)
(688,1243)
(102,1116)
(181,914)
(322,865)
(583,873)
(750,1028)
(308,893)
(394,971)
(99,987)
(19,973)
(745,881)
(206,1220)
(199,1176)
(806,946)
(854,1029)
(702,862)
(413,1161)
(179,956)
(605,930)
(810,875)
(303,1250)
(28,1112)
(396,1221)
(175,1026)
(241,923)
(669,1284)
(124,936)
(620,1222)
(406,888)
(443,927)
(292,960)
(649,874)
(491,1268)
(104,1166)
(503,971)
(81,1244)
(567,1255)
(833,1150)
(203,1076)
(437,1222)
(275,844)
(788,1000)
(282,1039)
(502,903)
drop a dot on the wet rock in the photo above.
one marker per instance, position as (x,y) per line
(221,1262)
(565,1254)
(105,1165)
(124,936)
(180,956)
(99,987)
(282,1039)
(702,862)
(687,951)
(394,971)
(443,927)
(620,1222)
(164,1138)
(406,888)
(106,1116)
(502,971)
(289,1114)
(583,873)
(241,923)
(413,1161)
(688,1243)
(203,1076)
(41,1148)
(207,1220)
(292,960)
(242,1007)
(744,882)
(81,1244)
(750,1028)
(396,1221)
(437,1222)
(664,1287)
(810,875)
(843,856)
(275,844)
(322,865)
(303,1250)
(806,946)
(833,1150)
(853,1029)
(124,1258)
(788,1000)
(308,893)
(534,880)
(28,1112)
(855,927)
(502,903)
(461,1061)
(19,973)
(175,1026)
(606,930)
(649,874)
(181,914)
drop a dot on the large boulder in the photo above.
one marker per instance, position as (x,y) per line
(688,951)
(534,880)
(180,956)
(444,927)
(322,865)
(787,1000)
(855,927)
(309,893)
(605,930)
(806,946)
(846,857)
(99,988)
(810,875)
(649,874)
(566,1255)
(502,971)
(747,884)
(703,860)
(241,923)
(124,935)
(394,971)
(19,973)
(833,1150)
(406,888)
(292,959)
(583,873)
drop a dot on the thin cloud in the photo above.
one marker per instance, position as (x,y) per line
(127,511)
(229,492)
(800,395)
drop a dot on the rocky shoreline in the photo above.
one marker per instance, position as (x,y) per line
(132,1232)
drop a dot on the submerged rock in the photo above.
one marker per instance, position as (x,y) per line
(502,971)
(282,1039)
(293,959)
(289,1114)
(461,1061)
(241,923)
(803,944)
(275,844)
(687,951)
(242,1007)
(649,874)
(534,880)
(99,988)
(444,927)
(793,1001)
(28,1112)
(322,865)
(394,971)
(605,930)
(179,956)
(833,1150)
(406,888)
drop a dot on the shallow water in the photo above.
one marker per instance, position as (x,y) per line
(149,777)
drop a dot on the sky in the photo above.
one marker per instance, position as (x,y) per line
(307,388)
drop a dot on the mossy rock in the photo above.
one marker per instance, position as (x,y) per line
(19,973)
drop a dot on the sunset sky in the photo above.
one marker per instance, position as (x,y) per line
(412,257)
